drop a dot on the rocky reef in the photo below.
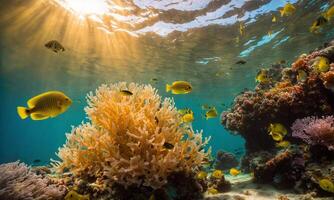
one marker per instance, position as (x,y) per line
(300,98)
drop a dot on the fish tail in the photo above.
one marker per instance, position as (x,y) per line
(22,112)
(168,87)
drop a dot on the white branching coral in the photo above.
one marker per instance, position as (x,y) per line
(125,142)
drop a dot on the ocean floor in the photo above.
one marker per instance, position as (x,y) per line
(243,188)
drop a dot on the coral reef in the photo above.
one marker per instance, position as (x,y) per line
(17,181)
(315,131)
(225,160)
(124,144)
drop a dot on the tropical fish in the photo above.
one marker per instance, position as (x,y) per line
(212,113)
(277,131)
(218,174)
(262,76)
(301,76)
(55,46)
(321,64)
(287,10)
(274,19)
(43,106)
(167,145)
(242,62)
(126,92)
(73,195)
(283,144)
(212,190)
(206,107)
(234,172)
(37,161)
(326,185)
(329,13)
(276,136)
(187,118)
(317,24)
(179,87)
(201,175)
(242,28)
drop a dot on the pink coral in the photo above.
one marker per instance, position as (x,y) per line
(313,130)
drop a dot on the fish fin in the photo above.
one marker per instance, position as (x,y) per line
(38,116)
(22,112)
(168,87)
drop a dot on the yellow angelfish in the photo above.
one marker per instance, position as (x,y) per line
(301,76)
(188,118)
(287,10)
(321,64)
(73,195)
(277,131)
(283,144)
(329,13)
(43,106)
(234,172)
(212,113)
(218,174)
(326,185)
(201,175)
(262,76)
(212,190)
(179,87)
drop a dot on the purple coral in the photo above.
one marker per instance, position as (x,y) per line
(313,130)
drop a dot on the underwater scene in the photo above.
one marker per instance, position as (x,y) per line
(167,99)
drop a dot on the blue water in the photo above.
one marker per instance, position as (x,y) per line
(187,41)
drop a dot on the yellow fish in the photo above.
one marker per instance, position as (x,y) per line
(43,106)
(179,87)
(329,13)
(212,113)
(201,175)
(301,76)
(274,19)
(276,136)
(234,172)
(212,190)
(187,118)
(218,174)
(283,144)
(73,195)
(262,76)
(242,29)
(126,92)
(321,64)
(326,185)
(277,128)
(317,24)
(287,10)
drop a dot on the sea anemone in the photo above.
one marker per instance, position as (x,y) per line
(315,131)
(125,140)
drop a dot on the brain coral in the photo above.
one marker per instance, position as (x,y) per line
(124,141)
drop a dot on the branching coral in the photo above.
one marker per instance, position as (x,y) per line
(313,130)
(124,142)
(18,182)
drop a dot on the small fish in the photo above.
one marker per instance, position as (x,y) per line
(276,136)
(212,113)
(241,62)
(321,64)
(262,76)
(167,145)
(317,24)
(37,161)
(234,172)
(277,131)
(179,87)
(43,106)
(288,9)
(218,174)
(73,195)
(242,29)
(329,13)
(126,92)
(283,144)
(206,107)
(327,185)
(55,46)
(301,76)
(188,118)
(212,190)
(201,175)
(274,19)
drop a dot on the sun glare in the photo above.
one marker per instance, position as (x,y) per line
(86,7)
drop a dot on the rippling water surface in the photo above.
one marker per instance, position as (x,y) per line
(135,41)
